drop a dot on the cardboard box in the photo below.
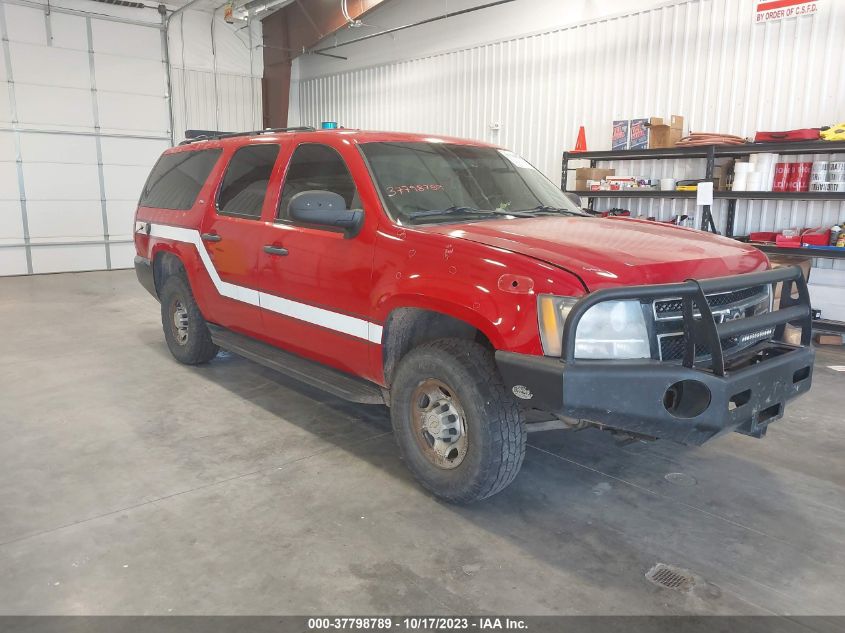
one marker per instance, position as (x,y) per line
(587,185)
(619,136)
(593,173)
(639,133)
(829,339)
(662,134)
(722,172)
(778,261)
(792,335)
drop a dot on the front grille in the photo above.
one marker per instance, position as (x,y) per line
(740,303)
(672,347)
(673,308)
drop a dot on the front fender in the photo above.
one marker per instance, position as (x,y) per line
(449,308)
(492,289)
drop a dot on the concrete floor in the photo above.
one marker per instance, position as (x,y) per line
(130,484)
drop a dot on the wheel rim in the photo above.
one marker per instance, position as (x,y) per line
(439,424)
(180,321)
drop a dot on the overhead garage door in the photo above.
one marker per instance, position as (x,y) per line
(83,115)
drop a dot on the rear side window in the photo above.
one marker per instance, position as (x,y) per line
(176,179)
(245,183)
(317,167)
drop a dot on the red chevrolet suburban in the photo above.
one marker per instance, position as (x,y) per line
(453,282)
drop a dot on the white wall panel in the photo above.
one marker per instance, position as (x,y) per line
(135,114)
(7,146)
(5,110)
(9,182)
(52,148)
(60,182)
(704,59)
(124,182)
(132,151)
(58,259)
(232,48)
(195,48)
(50,66)
(13,261)
(55,108)
(11,223)
(68,31)
(121,217)
(127,40)
(123,255)
(65,221)
(26,24)
(119,73)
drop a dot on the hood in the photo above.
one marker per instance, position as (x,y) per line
(609,252)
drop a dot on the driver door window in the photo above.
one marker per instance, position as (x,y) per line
(315,279)
(316,167)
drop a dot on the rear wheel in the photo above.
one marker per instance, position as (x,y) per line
(185,329)
(459,431)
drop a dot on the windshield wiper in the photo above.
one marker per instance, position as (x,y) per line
(470,210)
(544,208)
(447,211)
(467,211)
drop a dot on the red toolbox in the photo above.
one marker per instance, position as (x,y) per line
(816,237)
(763,236)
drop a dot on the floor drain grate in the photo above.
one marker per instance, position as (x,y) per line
(670,577)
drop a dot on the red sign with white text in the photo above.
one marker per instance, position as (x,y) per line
(772,10)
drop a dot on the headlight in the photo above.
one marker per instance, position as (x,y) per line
(611,329)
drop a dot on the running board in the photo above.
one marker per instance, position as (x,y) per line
(311,373)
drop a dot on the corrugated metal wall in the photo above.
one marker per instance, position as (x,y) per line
(203,101)
(704,59)
(215,73)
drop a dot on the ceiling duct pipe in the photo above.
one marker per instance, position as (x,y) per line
(410,26)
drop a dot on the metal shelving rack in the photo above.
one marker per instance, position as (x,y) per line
(710,153)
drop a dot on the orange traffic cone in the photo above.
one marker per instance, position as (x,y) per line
(581,141)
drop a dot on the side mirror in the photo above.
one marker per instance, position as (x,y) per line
(325,208)
(574,198)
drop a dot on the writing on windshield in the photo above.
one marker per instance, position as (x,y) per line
(399,190)
(425,182)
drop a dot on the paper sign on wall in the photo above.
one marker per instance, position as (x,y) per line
(705,194)
(773,10)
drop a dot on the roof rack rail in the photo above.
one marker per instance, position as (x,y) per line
(194,136)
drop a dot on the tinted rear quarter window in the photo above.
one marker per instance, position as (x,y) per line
(245,183)
(176,179)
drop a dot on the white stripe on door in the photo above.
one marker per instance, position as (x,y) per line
(346,324)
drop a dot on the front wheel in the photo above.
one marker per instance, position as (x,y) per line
(459,431)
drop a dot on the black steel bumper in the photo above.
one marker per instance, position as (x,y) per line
(683,401)
(144,270)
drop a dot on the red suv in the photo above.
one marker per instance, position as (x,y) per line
(453,282)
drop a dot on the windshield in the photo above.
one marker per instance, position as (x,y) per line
(425,183)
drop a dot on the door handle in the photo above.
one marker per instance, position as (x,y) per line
(211,237)
(275,250)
